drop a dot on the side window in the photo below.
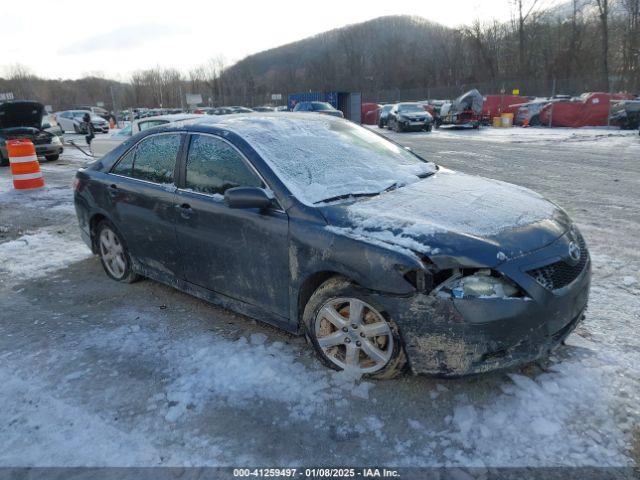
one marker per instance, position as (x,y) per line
(125,164)
(214,166)
(156,158)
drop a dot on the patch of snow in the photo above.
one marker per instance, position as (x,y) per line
(242,371)
(38,254)
(65,434)
(629,281)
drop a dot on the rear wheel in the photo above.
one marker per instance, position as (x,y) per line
(113,254)
(4,162)
(350,332)
(52,158)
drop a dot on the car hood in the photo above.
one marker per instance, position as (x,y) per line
(21,114)
(455,219)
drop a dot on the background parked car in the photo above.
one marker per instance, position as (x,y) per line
(384,115)
(240,109)
(99,111)
(625,114)
(409,116)
(71,121)
(23,119)
(318,107)
(104,144)
(264,108)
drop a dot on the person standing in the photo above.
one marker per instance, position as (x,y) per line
(90,132)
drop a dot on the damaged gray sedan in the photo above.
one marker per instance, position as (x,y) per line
(383,260)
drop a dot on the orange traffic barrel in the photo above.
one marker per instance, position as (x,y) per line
(25,167)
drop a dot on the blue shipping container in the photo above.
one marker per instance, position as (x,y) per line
(348,102)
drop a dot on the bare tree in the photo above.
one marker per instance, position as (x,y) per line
(524,10)
(603,15)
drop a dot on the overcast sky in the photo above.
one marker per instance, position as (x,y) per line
(68,39)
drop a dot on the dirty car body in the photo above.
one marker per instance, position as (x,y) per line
(476,274)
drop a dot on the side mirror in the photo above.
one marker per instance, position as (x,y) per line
(248,197)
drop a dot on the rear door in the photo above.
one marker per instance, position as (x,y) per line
(241,253)
(141,193)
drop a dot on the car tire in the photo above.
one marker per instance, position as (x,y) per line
(52,158)
(397,127)
(428,128)
(388,359)
(4,162)
(109,241)
(380,124)
(75,128)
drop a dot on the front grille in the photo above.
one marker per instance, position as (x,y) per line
(560,274)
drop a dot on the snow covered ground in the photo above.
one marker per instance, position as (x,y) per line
(94,372)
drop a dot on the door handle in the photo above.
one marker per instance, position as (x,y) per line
(113,189)
(185,210)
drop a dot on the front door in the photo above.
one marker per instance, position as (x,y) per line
(241,253)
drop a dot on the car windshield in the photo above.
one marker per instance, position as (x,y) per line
(125,132)
(324,157)
(410,107)
(321,106)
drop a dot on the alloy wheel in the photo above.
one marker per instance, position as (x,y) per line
(353,335)
(112,253)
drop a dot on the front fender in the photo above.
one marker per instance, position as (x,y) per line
(371,264)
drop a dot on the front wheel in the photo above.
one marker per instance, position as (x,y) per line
(52,158)
(397,127)
(349,331)
(113,254)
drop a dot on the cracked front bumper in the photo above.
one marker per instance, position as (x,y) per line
(455,337)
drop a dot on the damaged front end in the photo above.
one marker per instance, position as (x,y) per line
(468,321)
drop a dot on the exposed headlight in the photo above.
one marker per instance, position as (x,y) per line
(56,140)
(482,285)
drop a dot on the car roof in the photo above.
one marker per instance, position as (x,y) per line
(173,117)
(243,122)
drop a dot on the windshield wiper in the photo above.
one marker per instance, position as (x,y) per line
(426,174)
(347,195)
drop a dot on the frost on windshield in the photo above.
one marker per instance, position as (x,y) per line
(321,157)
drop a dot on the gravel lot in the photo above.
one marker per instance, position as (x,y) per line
(99,373)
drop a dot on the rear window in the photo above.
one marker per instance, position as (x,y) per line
(152,160)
